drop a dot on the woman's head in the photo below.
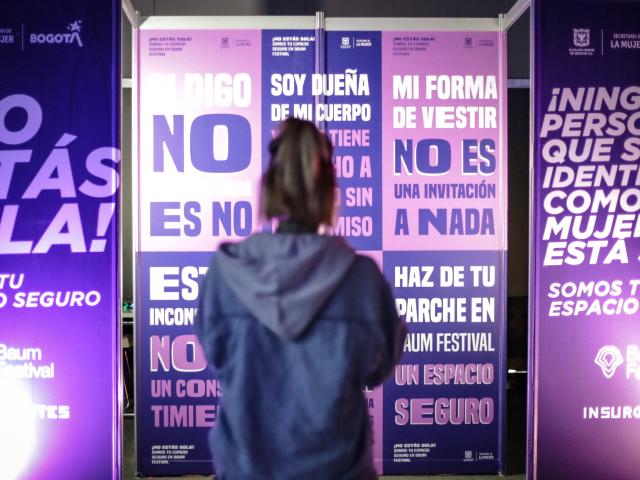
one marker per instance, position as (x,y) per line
(300,182)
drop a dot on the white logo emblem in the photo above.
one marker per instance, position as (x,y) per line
(608,359)
(581,37)
(345,41)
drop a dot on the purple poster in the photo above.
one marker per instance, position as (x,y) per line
(444,248)
(200,161)
(417,121)
(352,116)
(584,329)
(59,181)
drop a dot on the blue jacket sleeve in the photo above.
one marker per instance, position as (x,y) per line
(207,324)
(393,335)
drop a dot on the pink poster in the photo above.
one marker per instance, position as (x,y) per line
(200,154)
(444,107)
(444,171)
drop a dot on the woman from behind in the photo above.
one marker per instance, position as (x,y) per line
(295,324)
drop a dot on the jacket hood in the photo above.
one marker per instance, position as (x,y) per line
(284,279)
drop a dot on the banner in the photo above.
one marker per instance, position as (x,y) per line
(584,331)
(59,180)
(200,151)
(417,121)
(444,241)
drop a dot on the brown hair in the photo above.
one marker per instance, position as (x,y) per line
(300,182)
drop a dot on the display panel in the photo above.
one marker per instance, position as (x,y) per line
(418,122)
(584,328)
(59,181)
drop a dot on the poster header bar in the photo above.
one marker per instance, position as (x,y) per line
(413,24)
(227,22)
(309,22)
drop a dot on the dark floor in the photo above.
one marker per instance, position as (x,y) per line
(515,441)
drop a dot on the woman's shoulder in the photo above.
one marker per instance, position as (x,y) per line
(366,270)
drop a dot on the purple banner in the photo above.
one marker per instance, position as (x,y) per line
(353,120)
(444,242)
(584,330)
(198,174)
(447,395)
(178,398)
(59,180)
(353,125)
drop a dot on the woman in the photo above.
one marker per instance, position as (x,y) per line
(296,324)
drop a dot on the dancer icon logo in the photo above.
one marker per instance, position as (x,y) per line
(608,359)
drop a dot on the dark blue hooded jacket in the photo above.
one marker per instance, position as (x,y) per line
(295,325)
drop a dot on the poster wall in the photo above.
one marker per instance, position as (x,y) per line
(585,335)
(59,180)
(417,121)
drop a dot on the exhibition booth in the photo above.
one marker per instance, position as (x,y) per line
(416,109)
